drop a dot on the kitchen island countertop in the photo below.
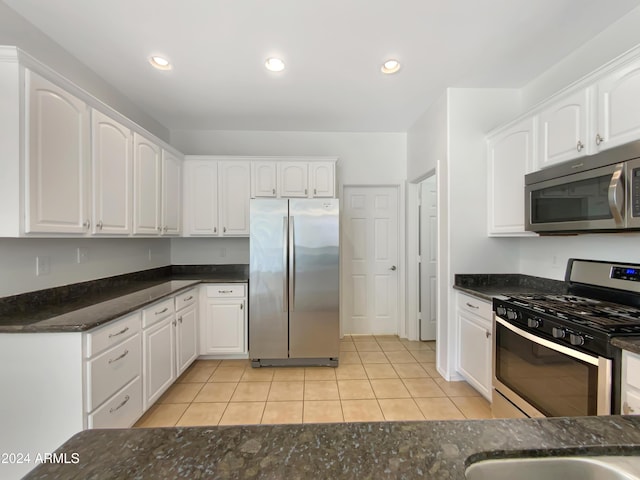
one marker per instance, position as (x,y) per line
(398,450)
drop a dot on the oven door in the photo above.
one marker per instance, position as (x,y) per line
(543,378)
(591,200)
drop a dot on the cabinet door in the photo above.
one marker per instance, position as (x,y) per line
(186,338)
(171,194)
(564,130)
(112,174)
(224,327)
(474,352)
(509,157)
(293,179)
(263,179)
(57,144)
(201,197)
(159,353)
(618,112)
(322,179)
(234,197)
(147,186)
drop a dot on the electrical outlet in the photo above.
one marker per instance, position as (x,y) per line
(43,266)
(82,255)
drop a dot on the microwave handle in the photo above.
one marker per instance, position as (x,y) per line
(616,195)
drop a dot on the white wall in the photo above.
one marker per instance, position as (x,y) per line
(106,257)
(215,251)
(15,30)
(427,140)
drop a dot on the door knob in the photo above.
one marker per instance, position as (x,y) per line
(393,267)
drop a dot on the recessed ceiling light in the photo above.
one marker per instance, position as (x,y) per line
(390,66)
(160,63)
(274,64)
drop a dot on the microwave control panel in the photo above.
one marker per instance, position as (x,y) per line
(625,273)
(635,192)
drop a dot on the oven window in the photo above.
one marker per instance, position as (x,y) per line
(575,201)
(554,383)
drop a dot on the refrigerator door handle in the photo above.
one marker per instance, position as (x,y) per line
(292,264)
(285,296)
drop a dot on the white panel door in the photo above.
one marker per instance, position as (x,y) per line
(235,195)
(564,130)
(57,159)
(112,174)
(618,112)
(224,327)
(428,258)
(370,249)
(186,338)
(322,179)
(171,194)
(201,197)
(147,187)
(159,357)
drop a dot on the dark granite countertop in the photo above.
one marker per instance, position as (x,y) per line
(399,450)
(487,286)
(632,344)
(81,307)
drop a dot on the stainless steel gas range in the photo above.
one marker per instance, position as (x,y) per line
(552,354)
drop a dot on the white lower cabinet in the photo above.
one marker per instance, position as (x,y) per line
(630,383)
(475,337)
(223,327)
(186,330)
(159,353)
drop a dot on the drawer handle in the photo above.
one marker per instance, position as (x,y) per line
(487,334)
(126,352)
(124,330)
(162,311)
(190,297)
(225,291)
(124,402)
(471,305)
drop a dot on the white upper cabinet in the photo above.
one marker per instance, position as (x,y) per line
(147,186)
(322,179)
(510,154)
(564,130)
(171,194)
(112,168)
(57,159)
(234,189)
(201,197)
(293,179)
(263,179)
(618,117)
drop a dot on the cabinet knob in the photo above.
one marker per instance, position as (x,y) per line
(393,268)
(241,307)
(627,409)
(315,191)
(305,191)
(579,146)
(599,139)
(487,334)
(180,319)
(86,223)
(215,230)
(166,228)
(99,225)
(224,229)
(160,229)
(273,191)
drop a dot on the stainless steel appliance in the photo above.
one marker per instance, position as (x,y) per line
(552,354)
(595,193)
(294,282)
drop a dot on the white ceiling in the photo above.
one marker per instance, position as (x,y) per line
(332,48)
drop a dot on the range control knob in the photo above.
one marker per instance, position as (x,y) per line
(558,332)
(575,339)
(501,311)
(512,314)
(533,322)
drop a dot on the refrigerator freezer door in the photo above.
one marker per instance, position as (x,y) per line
(314,324)
(268,316)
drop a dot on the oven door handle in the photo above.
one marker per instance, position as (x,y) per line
(550,345)
(616,195)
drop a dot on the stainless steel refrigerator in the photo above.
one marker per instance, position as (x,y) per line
(294,282)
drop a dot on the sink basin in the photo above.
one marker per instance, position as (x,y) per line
(556,468)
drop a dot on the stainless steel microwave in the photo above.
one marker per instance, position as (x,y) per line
(598,193)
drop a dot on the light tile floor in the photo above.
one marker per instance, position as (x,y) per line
(379,378)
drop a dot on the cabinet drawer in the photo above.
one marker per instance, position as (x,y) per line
(111,370)
(111,334)
(121,410)
(186,299)
(632,370)
(157,312)
(474,305)
(237,290)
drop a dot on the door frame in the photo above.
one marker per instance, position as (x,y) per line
(401,326)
